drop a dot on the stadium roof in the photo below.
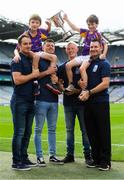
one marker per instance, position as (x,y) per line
(10,29)
(114,36)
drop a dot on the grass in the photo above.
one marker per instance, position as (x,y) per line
(117,126)
(75,170)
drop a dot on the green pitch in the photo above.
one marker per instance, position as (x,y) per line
(117,128)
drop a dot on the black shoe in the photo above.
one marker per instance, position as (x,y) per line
(55,160)
(20,167)
(88,158)
(36,88)
(29,163)
(104,167)
(53,88)
(68,159)
(41,162)
(92,165)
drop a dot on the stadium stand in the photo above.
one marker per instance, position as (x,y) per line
(117,94)
(10,29)
(7,49)
(116,55)
(4,59)
(117,73)
(5,94)
(121,100)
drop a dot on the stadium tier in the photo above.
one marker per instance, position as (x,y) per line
(115,57)
(11,30)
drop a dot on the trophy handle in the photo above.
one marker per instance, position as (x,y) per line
(57,19)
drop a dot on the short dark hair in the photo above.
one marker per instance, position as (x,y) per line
(49,40)
(92,19)
(21,37)
(97,40)
(35,17)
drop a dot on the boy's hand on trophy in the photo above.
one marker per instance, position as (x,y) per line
(65,17)
(48,22)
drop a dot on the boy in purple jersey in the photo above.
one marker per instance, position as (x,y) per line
(84,60)
(37,35)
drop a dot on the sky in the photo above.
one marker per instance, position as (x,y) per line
(109,12)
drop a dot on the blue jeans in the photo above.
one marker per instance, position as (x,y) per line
(48,110)
(23,114)
(70,116)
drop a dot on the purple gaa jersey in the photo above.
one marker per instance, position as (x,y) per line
(88,37)
(37,40)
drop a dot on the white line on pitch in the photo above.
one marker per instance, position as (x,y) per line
(77,142)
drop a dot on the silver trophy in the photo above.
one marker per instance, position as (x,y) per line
(58,21)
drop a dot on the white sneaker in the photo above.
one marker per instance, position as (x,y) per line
(55,160)
(104,167)
(41,162)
